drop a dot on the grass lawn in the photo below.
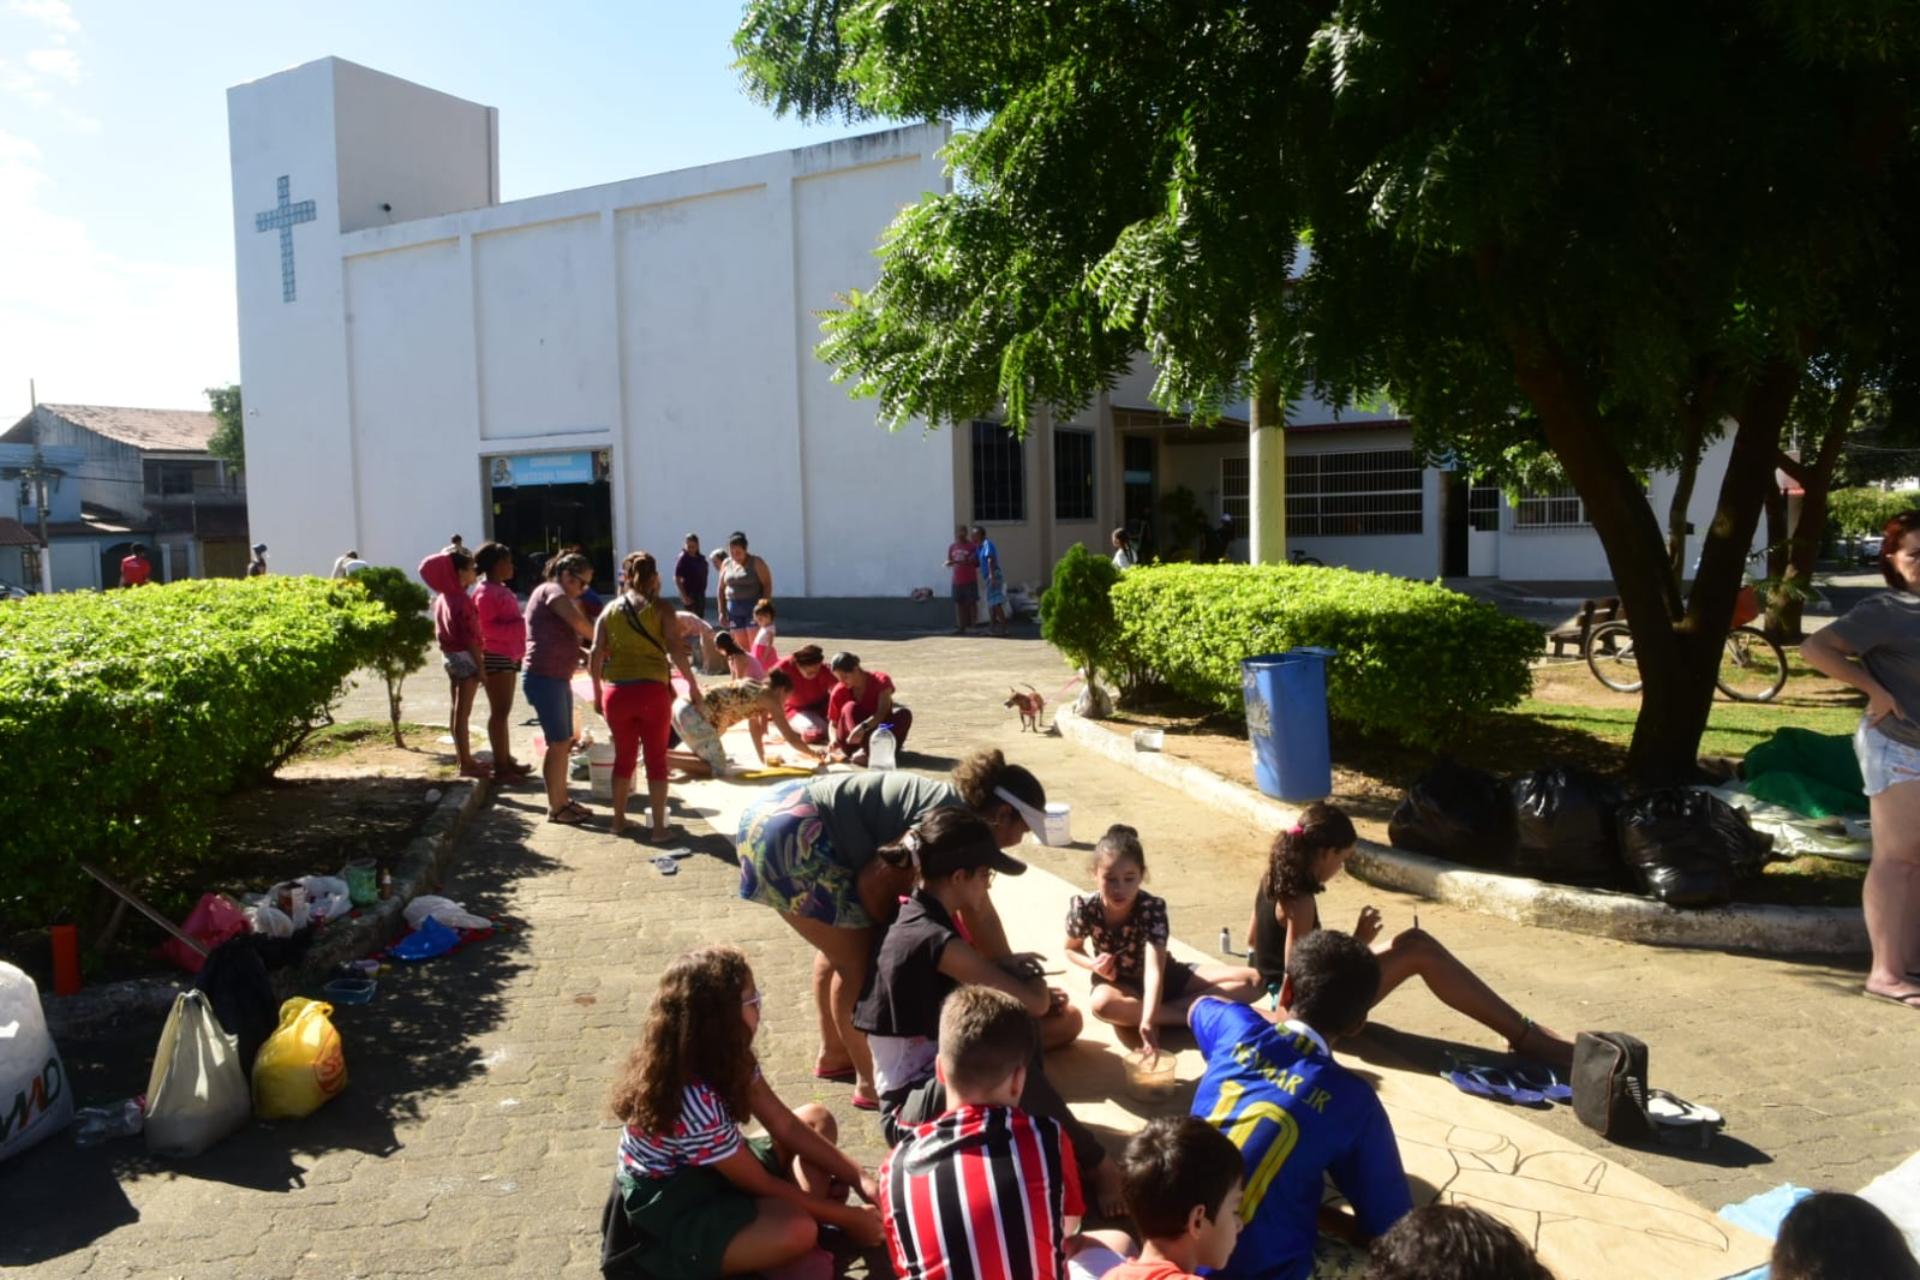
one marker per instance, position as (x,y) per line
(1570,718)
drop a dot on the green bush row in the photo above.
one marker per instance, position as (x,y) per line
(124,714)
(1410,658)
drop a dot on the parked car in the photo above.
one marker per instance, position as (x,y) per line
(1869,549)
(8,591)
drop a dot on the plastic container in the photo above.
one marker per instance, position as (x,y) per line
(363,881)
(1149,739)
(1150,1076)
(600,770)
(94,1125)
(1286,701)
(881,748)
(350,990)
(1056,825)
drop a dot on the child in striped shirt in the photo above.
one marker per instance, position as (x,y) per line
(987,1190)
(700,1200)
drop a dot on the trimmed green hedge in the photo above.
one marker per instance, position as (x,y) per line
(124,714)
(1411,658)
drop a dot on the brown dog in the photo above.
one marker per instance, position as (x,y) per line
(1030,705)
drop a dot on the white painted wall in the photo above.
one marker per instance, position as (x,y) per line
(1408,555)
(671,319)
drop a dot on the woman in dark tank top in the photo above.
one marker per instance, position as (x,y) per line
(1311,853)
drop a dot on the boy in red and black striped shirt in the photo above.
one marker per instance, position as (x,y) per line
(984,1191)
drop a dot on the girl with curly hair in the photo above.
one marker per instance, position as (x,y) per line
(710,1202)
(1311,853)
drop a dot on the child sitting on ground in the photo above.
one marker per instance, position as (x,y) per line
(1312,853)
(1182,1180)
(1834,1236)
(1453,1242)
(1135,982)
(922,957)
(702,1200)
(763,651)
(986,1190)
(1296,1114)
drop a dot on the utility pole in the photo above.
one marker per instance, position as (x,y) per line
(39,473)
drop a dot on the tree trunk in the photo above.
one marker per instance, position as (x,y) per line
(1678,644)
(1786,605)
(393,711)
(1678,526)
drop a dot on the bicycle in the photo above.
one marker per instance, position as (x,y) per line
(1302,558)
(1753,667)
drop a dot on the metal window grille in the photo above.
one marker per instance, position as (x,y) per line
(1072,475)
(169,479)
(1236,487)
(1483,508)
(999,474)
(1550,509)
(1370,491)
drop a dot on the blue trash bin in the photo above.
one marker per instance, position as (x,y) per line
(1286,696)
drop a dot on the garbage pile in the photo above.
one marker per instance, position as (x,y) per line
(1685,846)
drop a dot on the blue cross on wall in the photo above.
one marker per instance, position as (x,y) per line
(283,218)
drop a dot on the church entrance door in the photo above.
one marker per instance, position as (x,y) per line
(541,503)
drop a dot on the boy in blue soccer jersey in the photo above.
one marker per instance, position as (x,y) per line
(1296,1114)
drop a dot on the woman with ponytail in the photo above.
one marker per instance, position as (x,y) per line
(828,856)
(635,642)
(1311,853)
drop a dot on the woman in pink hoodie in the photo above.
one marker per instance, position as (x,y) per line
(456,624)
(503,635)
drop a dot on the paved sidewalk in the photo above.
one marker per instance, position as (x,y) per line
(472,1138)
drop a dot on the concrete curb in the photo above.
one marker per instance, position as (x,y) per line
(417,870)
(1839,931)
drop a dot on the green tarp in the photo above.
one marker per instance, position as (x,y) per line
(1811,773)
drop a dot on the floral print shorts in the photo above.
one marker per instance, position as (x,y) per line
(787,862)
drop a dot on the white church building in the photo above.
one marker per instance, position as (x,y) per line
(619,365)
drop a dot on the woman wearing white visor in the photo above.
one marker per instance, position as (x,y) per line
(808,851)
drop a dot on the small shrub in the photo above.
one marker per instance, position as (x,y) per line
(124,714)
(1076,609)
(1411,658)
(400,649)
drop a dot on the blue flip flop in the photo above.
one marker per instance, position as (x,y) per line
(1542,1079)
(1484,1081)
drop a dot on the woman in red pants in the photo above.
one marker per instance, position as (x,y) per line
(636,646)
(862,703)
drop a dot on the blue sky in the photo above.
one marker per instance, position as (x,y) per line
(116,245)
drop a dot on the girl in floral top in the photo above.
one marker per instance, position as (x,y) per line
(1120,935)
(700,1200)
(725,703)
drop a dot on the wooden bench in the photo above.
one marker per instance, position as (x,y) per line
(1579,630)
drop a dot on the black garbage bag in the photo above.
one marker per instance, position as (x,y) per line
(235,980)
(1688,848)
(1456,812)
(1563,826)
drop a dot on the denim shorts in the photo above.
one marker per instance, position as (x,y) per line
(551,698)
(1884,761)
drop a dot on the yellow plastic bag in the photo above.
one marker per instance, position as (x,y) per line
(302,1063)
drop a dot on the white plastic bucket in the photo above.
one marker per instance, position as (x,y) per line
(600,770)
(1057,827)
(1149,739)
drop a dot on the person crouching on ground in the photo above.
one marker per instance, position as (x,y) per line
(636,644)
(1296,1114)
(813,686)
(711,1202)
(456,624)
(1182,1181)
(862,703)
(702,720)
(1005,1181)
(922,957)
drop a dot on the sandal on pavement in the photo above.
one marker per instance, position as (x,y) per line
(571,814)
(838,1075)
(1910,999)
(861,1102)
(1483,1081)
(1542,1079)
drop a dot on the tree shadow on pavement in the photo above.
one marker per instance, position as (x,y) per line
(411,1045)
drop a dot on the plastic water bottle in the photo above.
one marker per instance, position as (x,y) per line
(93,1125)
(880,748)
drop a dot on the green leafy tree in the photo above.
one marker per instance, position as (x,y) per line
(229,440)
(1607,233)
(401,649)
